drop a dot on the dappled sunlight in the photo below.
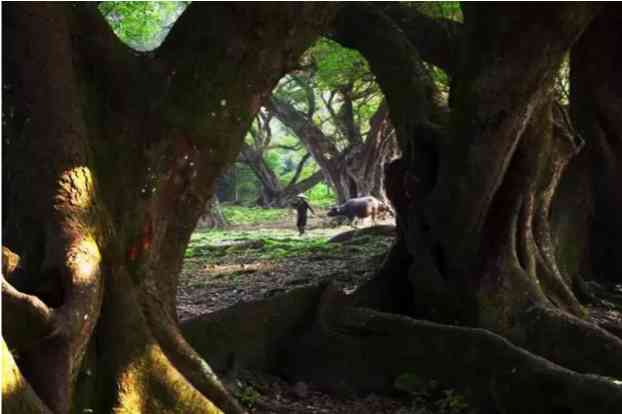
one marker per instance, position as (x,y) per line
(84,257)
(76,187)
(142,26)
(17,395)
(262,255)
(12,381)
(150,384)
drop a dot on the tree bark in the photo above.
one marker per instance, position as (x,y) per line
(131,144)
(473,195)
(213,216)
(597,112)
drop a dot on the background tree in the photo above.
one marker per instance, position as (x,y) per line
(273,192)
(336,109)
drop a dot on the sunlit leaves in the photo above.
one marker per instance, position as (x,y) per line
(142,25)
(445,9)
(335,65)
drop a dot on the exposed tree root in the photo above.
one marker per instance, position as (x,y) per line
(381,230)
(139,375)
(17,395)
(252,334)
(368,350)
(186,360)
(571,342)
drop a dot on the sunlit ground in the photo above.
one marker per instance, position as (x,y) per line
(256,260)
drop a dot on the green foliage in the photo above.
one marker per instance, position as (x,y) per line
(445,9)
(321,196)
(336,65)
(247,395)
(142,25)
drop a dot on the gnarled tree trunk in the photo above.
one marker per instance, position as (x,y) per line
(473,193)
(110,157)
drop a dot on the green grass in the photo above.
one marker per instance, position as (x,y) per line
(214,245)
(218,246)
(237,215)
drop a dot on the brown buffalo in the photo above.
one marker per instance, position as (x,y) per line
(361,208)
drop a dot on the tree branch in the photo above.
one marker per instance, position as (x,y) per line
(438,40)
(411,93)
(309,93)
(299,169)
(20,310)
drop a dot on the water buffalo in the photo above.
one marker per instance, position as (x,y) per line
(361,208)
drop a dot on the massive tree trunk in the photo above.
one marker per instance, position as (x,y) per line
(473,193)
(596,90)
(475,213)
(213,216)
(109,159)
(366,160)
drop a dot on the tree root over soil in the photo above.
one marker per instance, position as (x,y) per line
(316,335)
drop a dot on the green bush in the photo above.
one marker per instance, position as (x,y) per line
(321,196)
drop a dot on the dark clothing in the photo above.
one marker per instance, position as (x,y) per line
(301,207)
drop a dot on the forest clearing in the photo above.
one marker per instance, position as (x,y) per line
(311,207)
(251,261)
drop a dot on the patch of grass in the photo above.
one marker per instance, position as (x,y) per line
(253,215)
(213,246)
(230,246)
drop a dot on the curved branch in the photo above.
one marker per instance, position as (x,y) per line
(309,93)
(301,164)
(20,310)
(314,139)
(410,91)
(304,185)
(438,40)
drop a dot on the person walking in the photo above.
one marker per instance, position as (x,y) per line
(302,206)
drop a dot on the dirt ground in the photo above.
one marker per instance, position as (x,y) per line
(245,274)
(255,261)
